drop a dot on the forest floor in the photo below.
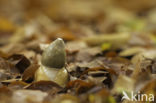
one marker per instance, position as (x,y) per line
(110,51)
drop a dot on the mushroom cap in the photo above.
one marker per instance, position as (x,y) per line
(54,56)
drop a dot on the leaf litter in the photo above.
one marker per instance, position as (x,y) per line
(110,47)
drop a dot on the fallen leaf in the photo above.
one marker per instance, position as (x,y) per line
(44,86)
(79,86)
(29,73)
(28,96)
(20,62)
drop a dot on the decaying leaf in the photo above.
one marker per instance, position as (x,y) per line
(17,85)
(44,86)
(150,54)
(29,73)
(88,53)
(80,86)
(20,62)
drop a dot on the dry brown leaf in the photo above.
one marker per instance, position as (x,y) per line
(29,73)
(80,86)
(44,86)
(20,62)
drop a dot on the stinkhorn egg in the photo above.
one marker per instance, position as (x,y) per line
(52,66)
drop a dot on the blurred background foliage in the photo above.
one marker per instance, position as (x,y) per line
(69,9)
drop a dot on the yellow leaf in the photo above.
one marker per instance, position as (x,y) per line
(106,46)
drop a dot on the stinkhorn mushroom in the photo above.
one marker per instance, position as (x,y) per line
(52,65)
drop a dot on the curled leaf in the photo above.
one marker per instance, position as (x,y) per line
(44,86)
(20,61)
(29,73)
(17,85)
